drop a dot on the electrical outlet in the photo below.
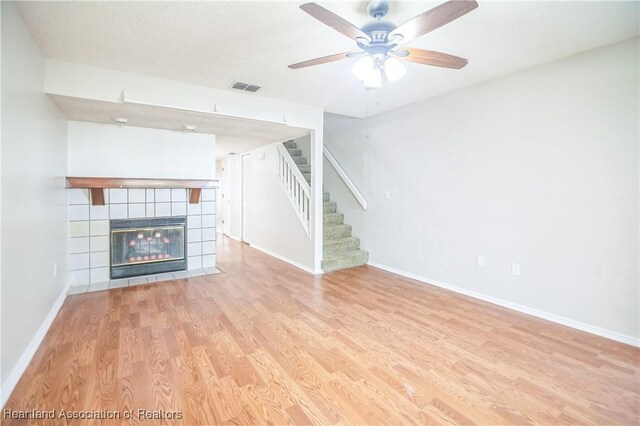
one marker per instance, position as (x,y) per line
(387,195)
(55,269)
(481,261)
(515,269)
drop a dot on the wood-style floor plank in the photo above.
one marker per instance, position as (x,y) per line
(265,343)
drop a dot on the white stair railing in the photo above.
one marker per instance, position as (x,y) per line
(343,175)
(296,187)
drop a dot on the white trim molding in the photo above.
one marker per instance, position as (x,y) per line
(598,331)
(286,259)
(233,237)
(27,355)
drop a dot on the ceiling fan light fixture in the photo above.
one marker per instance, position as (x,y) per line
(394,69)
(379,39)
(362,67)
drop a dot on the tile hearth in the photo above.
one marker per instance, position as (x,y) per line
(146,279)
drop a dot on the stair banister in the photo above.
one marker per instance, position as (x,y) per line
(296,187)
(343,175)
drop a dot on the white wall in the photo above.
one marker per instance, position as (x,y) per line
(540,168)
(3,390)
(345,139)
(105,150)
(34,202)
(233,167)
(219,198)
(275,228)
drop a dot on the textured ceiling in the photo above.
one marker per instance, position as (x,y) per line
(232,134)
(214,43)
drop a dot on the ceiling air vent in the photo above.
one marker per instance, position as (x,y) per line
(245,87)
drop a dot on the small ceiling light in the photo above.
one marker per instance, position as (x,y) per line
(189,128)
(394,69)
(121,120)
(369,70)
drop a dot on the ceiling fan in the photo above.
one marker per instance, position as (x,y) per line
(381,41)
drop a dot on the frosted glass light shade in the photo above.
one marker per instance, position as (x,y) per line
(394,69)
(362,67)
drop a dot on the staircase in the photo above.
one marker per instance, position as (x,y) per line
(340,249)
(301,162)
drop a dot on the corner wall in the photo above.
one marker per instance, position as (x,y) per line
(34,201)
(274,227)
(540,168)
(233,168)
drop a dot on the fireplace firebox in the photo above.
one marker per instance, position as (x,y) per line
(148,246)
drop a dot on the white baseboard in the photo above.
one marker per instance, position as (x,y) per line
(286,259)
(27,355)
(598,331)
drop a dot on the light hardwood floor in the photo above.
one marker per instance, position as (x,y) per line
(267,343)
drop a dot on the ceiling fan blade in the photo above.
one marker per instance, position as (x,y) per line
(433,19)
(321,60)
(436,59)
(334,21)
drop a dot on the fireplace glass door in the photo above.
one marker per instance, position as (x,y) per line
(147,246)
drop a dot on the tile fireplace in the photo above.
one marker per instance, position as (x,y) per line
(148,246)
(90,247)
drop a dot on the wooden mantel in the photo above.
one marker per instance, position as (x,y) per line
(97,184)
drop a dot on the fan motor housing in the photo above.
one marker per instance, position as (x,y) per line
(378,30)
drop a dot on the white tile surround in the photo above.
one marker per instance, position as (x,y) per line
(89,232)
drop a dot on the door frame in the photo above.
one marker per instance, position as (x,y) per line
(226,199)
(246,164)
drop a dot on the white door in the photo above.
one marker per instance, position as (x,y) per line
(246,198)
(226,199)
